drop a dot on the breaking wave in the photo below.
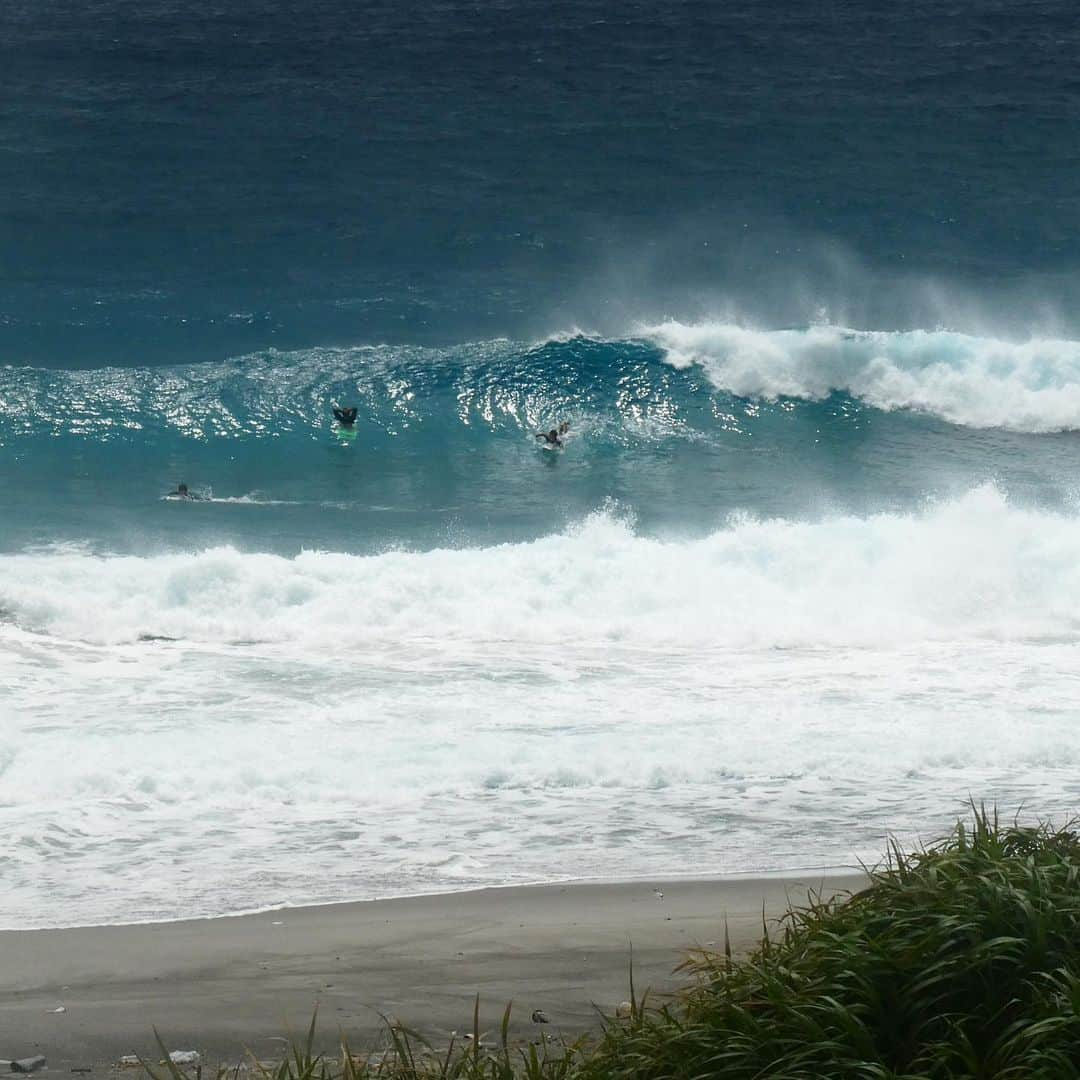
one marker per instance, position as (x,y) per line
(968,568)
(972,381)
(641,388)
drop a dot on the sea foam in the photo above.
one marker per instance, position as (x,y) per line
(967,568)
(979,382)
(210,732)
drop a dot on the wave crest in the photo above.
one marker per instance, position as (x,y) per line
(972,381)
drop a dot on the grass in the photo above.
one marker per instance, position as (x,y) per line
(959,960)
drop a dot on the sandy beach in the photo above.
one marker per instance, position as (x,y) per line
(220,985)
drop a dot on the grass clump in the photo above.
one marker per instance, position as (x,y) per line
(960,960)
(404,1054)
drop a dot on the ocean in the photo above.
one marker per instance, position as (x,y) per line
(801,280)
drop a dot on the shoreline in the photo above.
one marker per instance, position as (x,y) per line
(223,984)
(824,873)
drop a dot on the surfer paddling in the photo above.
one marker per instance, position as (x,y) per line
(182,492)
(346,417)
(554,436)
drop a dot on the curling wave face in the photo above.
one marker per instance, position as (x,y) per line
(597,701)
(972,381)
(683,425)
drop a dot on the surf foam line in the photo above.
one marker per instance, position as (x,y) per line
(972,381)
(975,567)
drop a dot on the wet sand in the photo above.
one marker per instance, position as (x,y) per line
(220,985)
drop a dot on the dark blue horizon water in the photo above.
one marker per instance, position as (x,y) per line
(184,182)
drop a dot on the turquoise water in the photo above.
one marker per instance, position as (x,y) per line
(680,427)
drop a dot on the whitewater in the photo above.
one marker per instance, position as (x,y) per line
(220,730)
(963,378)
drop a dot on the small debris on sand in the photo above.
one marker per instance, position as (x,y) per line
(184,1057)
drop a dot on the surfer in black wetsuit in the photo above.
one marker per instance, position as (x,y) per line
(346,417)
(182,492)
(553,437)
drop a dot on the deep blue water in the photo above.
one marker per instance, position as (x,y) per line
(191,181)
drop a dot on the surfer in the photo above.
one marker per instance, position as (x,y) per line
(554,436)
(182,492)
(346,417)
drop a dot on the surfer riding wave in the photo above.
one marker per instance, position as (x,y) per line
(554,436)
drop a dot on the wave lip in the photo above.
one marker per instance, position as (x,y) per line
(972,381)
